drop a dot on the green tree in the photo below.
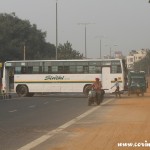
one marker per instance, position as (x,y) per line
(15,33)
(67,52)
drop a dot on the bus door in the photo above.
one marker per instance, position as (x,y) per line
(9,79)
(106,78)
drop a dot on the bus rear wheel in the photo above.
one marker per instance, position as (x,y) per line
(22,90)
(86,89)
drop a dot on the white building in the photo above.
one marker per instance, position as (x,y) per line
(135,56)
(118,54)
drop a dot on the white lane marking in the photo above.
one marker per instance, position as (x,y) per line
(59,100)
(45,103)
(11,111)
(45,137)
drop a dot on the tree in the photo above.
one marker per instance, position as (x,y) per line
(143,64)
(15,33)
(66,52)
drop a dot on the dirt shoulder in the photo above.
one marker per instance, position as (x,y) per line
(125,120)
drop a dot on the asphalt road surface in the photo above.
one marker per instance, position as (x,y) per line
(23,120)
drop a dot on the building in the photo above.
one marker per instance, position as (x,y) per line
(135,56)
(118,54)
(115,55)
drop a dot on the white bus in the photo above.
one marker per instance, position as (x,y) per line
(27,77)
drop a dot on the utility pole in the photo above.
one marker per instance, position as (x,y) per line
(56,31)
(24,51)
(100,45)
(85,24)
(110,53)
(100,53)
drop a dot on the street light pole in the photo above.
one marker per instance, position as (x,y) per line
(24,51)
(85,24)
(100,46)
(115,49)
(110,52)
(56,31)
(85,43)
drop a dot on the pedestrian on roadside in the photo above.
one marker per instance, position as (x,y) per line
(117,90)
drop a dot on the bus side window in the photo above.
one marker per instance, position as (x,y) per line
(113,69)
(98,69)
(79,69)
(23,70)
(49,69)
(116,69)
(60,69)
(40,69)
(92,69)
(72,69)
(66,69)
(119,69)
(85,69)
(30,70)
(45,69)
(54,69)
(36,70)
(17,70)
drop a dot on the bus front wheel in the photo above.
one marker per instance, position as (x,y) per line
(22,90)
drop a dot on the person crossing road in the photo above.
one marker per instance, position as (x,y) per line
(117,90)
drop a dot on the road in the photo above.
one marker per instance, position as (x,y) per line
(67,123)
(123,123)
(23,120)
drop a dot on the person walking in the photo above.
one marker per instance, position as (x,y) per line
(117,90)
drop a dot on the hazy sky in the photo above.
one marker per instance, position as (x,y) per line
(125,23)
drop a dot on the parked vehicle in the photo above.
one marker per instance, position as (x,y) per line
(95,97)
(137,83)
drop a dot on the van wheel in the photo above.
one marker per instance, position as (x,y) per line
(22,90)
